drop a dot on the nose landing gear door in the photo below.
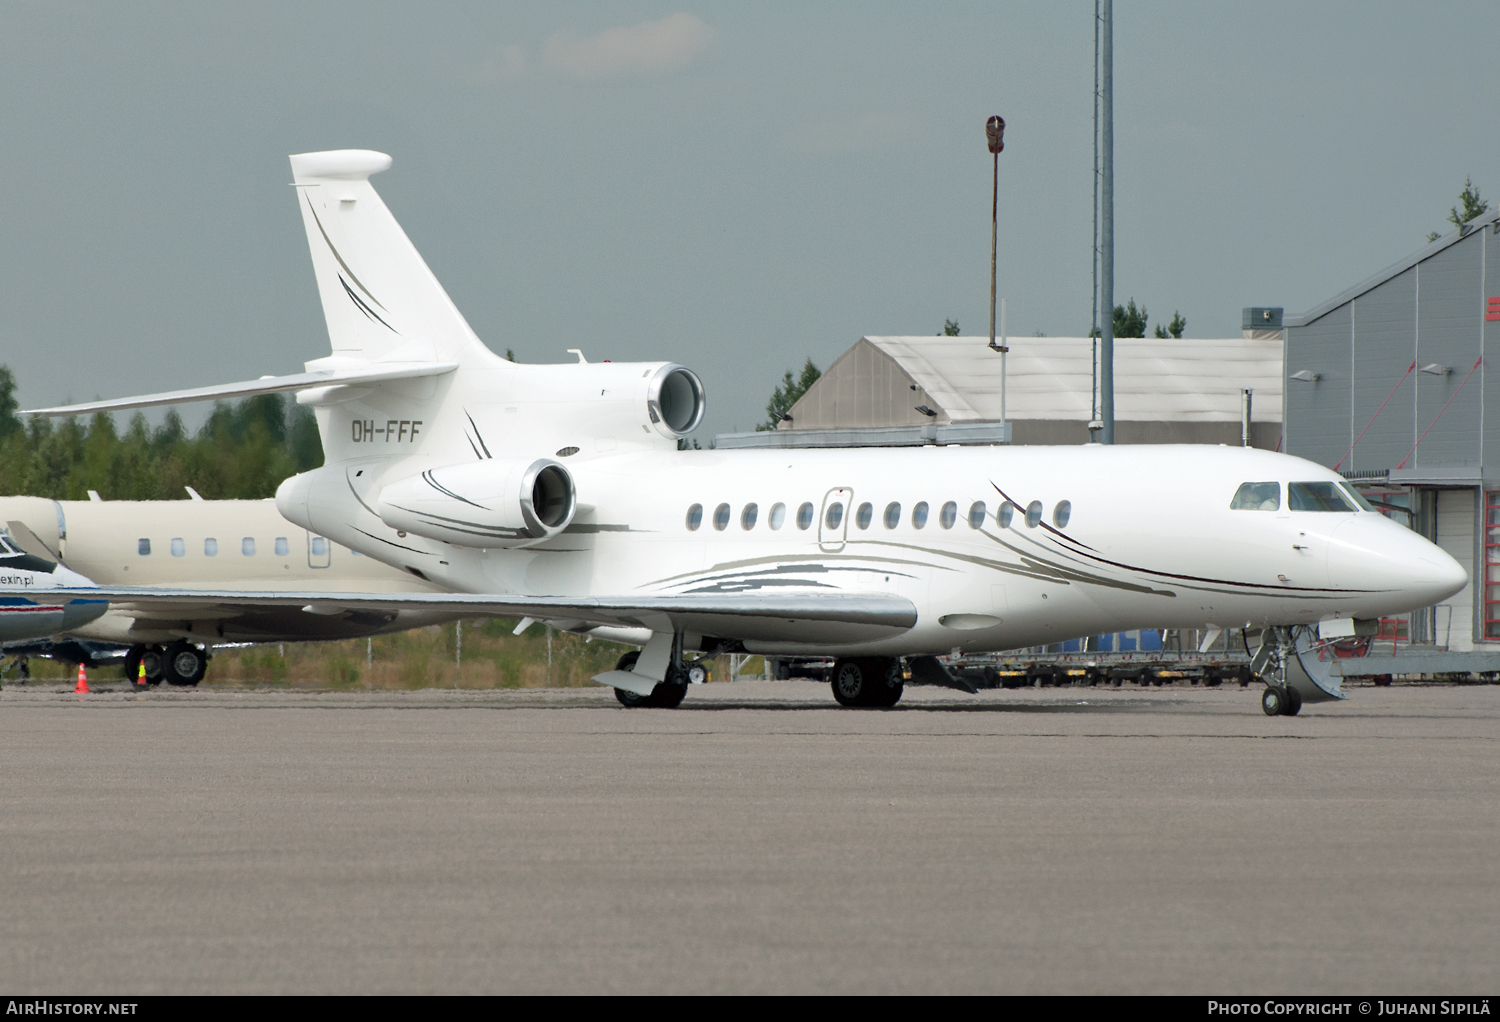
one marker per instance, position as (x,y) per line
(833,519)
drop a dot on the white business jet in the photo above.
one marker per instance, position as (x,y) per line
(558,493)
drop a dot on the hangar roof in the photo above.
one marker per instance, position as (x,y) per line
(1051,377)
(1422,254)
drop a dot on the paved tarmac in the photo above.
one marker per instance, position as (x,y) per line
(758,839)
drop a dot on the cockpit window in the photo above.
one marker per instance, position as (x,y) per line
(1257,497)
(1359,498)
(1319,496)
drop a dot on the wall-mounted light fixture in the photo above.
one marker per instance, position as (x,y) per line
(926,411)
(1436,370)
(1306,376)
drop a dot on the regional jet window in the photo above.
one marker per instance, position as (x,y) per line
(282,547)
(977,511)
(948,515)
(1062,513)
(1005,514)
(1359,498)
(694,517)
(805,516)
(1033,514)
(834,516)
(179,548)
(1257,497)
(778,516)
(210,548)
(318,547)
(143,547)
(247,546)
(919,515)
(892,516)
(748,516)
(1317,496)
(864,515)
(721,517)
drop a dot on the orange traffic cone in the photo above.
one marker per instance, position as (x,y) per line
(140,675)
(82,688)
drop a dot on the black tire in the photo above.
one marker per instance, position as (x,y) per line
(182,663)
(888,689)
(665,696)
(629,699)
(1272,701)
(1293,702)
(151,656)
(851,682)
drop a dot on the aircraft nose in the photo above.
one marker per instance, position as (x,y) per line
(1373,553)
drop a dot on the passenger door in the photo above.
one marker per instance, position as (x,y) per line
(833,525)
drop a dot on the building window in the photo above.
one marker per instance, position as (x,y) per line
(283,548)
(694,517)
(210,548)
(178,546)
(1491,565)
(143,547)
(247,546)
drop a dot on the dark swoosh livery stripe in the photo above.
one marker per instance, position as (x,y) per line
(335,252)
(359,304)
(430,481)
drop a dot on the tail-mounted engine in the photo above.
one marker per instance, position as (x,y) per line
(492,503)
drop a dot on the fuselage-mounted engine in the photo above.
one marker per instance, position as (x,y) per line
(489,504)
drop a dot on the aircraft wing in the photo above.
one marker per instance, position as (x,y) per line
(820,618)
(374,372)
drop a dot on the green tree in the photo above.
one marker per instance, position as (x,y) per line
(1130,321)
(1472,206)
(1172,329)
(786,395)
(950,328)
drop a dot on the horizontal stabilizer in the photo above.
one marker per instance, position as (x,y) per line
(375,372)
(824,618)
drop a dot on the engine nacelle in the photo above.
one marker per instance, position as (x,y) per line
(491,503)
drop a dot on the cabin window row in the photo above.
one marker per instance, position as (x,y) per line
(892,517)
(178,546)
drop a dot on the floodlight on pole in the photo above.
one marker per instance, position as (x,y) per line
(994,133)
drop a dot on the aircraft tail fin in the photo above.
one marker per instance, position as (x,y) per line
(379,297)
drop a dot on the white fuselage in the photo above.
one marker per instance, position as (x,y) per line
(1150,540)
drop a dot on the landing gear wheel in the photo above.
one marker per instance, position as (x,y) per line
(667,695)
(1293,702)
(183,664)
(889,694)
(147,656)
(851,682)
(1273,701)
(867,681)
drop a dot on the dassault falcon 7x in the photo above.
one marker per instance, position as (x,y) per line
(558,493)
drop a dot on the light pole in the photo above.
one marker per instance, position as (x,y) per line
(1107,223)
(994,133)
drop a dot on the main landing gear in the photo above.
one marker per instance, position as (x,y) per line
(180,663)
(667,695)
(868,681)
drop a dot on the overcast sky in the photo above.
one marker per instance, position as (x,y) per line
(736,187)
